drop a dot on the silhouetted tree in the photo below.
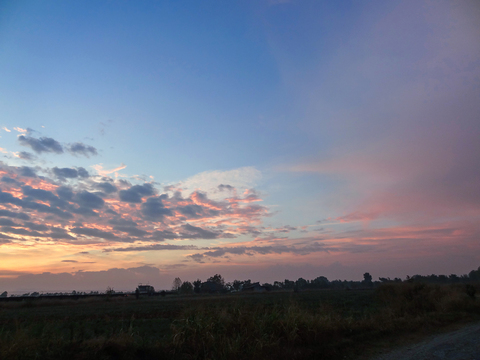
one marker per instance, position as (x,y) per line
(474,275)
(197,284)
(320,282)
(237,284)
(267,286)
(176,284)
(301,283)
(367,278)
(454,278)
(278,285)
(217,279)
(186,288)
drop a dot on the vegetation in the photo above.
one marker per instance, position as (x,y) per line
(322,282)
(310,324)
(186,288)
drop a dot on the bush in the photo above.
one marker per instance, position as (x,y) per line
(415,299)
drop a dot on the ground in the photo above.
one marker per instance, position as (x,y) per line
(461,344)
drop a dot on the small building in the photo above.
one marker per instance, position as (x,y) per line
(145,289)
(255,287)
(4,294)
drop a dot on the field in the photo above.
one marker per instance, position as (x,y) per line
(328,324)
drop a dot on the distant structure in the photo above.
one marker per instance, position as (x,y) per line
(4,294)
(255,287)
(145,289)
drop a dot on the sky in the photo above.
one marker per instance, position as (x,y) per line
(142,141)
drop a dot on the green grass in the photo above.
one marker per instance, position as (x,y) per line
(330,324)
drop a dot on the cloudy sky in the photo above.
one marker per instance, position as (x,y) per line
(266,139)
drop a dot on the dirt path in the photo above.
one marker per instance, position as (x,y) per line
(463,344)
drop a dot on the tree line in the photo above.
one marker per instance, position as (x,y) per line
(216,283)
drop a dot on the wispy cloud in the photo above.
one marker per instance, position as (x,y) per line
(102,172)
(262,250)
(41,145)
(50,145)
(20,130)
(79,148)
(153,247)
(241,179)
(24,155)
(70,173)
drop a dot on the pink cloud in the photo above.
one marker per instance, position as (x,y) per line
(82,214)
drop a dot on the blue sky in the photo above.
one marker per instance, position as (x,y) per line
(353,123)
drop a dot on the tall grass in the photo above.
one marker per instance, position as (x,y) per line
(290,331)
(283,331)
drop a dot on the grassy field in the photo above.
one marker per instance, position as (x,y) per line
(319,324)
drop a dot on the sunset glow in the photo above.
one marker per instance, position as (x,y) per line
(140,142)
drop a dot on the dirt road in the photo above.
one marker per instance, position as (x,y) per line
(463,344)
